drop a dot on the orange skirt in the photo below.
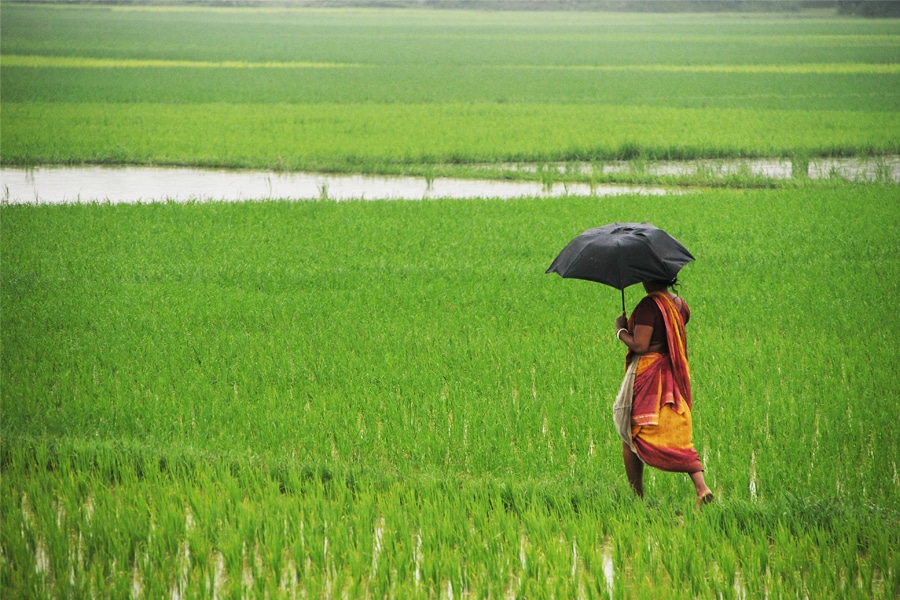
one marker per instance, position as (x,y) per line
(664,442)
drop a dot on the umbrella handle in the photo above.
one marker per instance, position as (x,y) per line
(623,301)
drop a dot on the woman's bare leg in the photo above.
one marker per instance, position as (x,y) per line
(634,468)
(704,494)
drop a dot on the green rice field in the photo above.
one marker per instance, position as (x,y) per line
(368,399)
(391,90)
(393,399)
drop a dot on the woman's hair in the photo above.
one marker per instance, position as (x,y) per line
(665,282)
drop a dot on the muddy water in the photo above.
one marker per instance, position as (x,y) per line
(52,185)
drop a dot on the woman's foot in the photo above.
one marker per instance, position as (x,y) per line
(704,494)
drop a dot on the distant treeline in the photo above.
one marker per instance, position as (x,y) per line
(869,8)
(865,8)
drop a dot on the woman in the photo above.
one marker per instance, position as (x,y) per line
(660,415)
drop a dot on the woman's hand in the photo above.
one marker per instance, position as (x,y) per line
(638,341)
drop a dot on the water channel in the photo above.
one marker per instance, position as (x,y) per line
(59,185)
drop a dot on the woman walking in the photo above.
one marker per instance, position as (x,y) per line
(657,430)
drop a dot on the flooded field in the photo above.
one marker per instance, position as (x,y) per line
(57,185)
(882,168)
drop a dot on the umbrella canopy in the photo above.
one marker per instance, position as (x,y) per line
(622,254)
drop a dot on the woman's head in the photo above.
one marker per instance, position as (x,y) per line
(659,285)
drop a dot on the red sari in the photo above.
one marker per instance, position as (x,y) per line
(661,424)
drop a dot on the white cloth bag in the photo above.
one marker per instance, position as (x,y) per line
(622,405)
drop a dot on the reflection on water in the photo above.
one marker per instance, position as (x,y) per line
(609,571)
(58,185)
(880,168)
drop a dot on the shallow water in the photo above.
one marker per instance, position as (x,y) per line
(885,168)
(60,185)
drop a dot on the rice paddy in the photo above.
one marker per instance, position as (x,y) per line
(388,91)
(391,399)
(76,62)
(217,399)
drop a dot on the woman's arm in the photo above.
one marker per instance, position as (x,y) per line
(638,341)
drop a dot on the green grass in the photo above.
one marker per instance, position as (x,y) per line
(220,388)
(386,137)
(846,86)
(391,398)
(364,90)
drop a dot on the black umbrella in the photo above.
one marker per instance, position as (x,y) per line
(622,254)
